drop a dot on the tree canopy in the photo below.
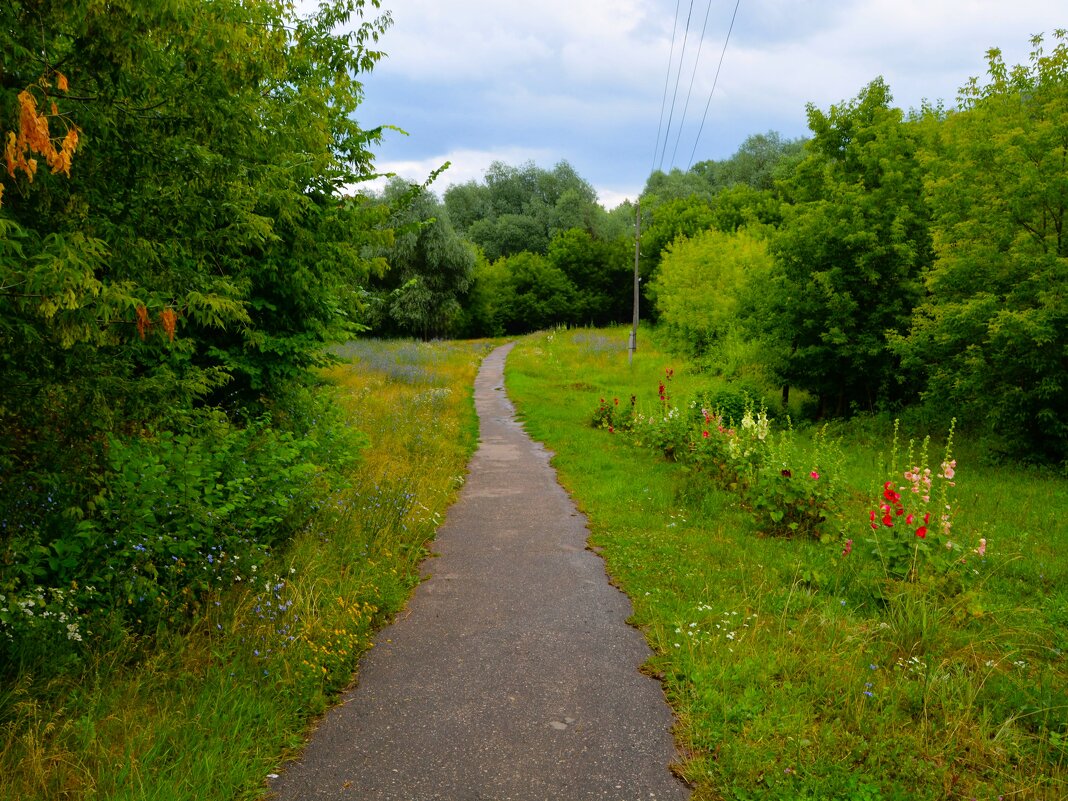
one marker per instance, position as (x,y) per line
(177,269)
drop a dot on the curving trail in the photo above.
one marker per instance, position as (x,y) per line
(513,675)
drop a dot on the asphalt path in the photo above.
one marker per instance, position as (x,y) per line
(512,675)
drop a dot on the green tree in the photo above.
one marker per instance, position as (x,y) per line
(490,295)
(758,162)
(520,209)
(430,265)
(701,282)
(193,250)
(601,273)
(991,337)
(851,248)
(538,294)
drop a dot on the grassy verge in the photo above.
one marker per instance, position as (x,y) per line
(208,713)
(797,672)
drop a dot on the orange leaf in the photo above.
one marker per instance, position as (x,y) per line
(168,320)
(61,82)
(144,322)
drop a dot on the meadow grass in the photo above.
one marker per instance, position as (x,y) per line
(207,713)
(797,672)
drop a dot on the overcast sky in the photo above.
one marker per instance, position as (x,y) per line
(473,81)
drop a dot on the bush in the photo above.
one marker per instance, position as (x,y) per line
(179,516)
(788,488)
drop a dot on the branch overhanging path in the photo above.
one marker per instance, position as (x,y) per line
(513,674)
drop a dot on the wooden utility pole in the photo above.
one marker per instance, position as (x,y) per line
(637,252)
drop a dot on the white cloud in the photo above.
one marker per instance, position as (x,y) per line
(464,166)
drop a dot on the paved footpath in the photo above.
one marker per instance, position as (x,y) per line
(512,676)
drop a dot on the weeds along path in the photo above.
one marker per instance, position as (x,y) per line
(513,674)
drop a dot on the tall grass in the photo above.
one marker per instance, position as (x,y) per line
(207,713)
(797,672)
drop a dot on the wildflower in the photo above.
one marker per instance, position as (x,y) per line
(909,519)
(888,521)
(814,476)
(704,434)
(981,550)
(848,549)
(788,474)
(921,532)
(611,430)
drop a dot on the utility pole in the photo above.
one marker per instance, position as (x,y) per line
(637,252)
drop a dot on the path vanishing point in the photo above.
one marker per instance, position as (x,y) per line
(512,676)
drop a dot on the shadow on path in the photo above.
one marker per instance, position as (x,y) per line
(513,675)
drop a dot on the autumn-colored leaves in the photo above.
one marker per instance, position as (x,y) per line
(35,137)
(168,320)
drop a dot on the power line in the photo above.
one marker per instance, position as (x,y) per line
(714,82)
(693,75)
(678,75)
(667,78)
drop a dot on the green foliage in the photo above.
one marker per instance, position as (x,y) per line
(758,162)
(601,273)
(181,515)
(851,248)
(992,332)
(162,303)
(538,294)
(741,454)
(430,267)
(700,281)
(522,208)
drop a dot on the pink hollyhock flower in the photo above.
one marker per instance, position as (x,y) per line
(814,476)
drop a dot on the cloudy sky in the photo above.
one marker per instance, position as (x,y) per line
(588,81)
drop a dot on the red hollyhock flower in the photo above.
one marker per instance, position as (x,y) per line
(921,532)
(888,521)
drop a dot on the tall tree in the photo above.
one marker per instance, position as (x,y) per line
(520,209)
(601,273)
(701,282)
(991,337)
(430,265)
(190,245)
(851,248)
(758,162)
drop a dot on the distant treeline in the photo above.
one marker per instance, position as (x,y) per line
(890,259)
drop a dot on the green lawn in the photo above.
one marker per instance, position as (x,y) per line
(797,672)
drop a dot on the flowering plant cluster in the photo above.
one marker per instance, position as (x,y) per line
(788,489)
(614,416)
(911,521)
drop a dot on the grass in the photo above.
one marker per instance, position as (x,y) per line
(795,672)
(208,713)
